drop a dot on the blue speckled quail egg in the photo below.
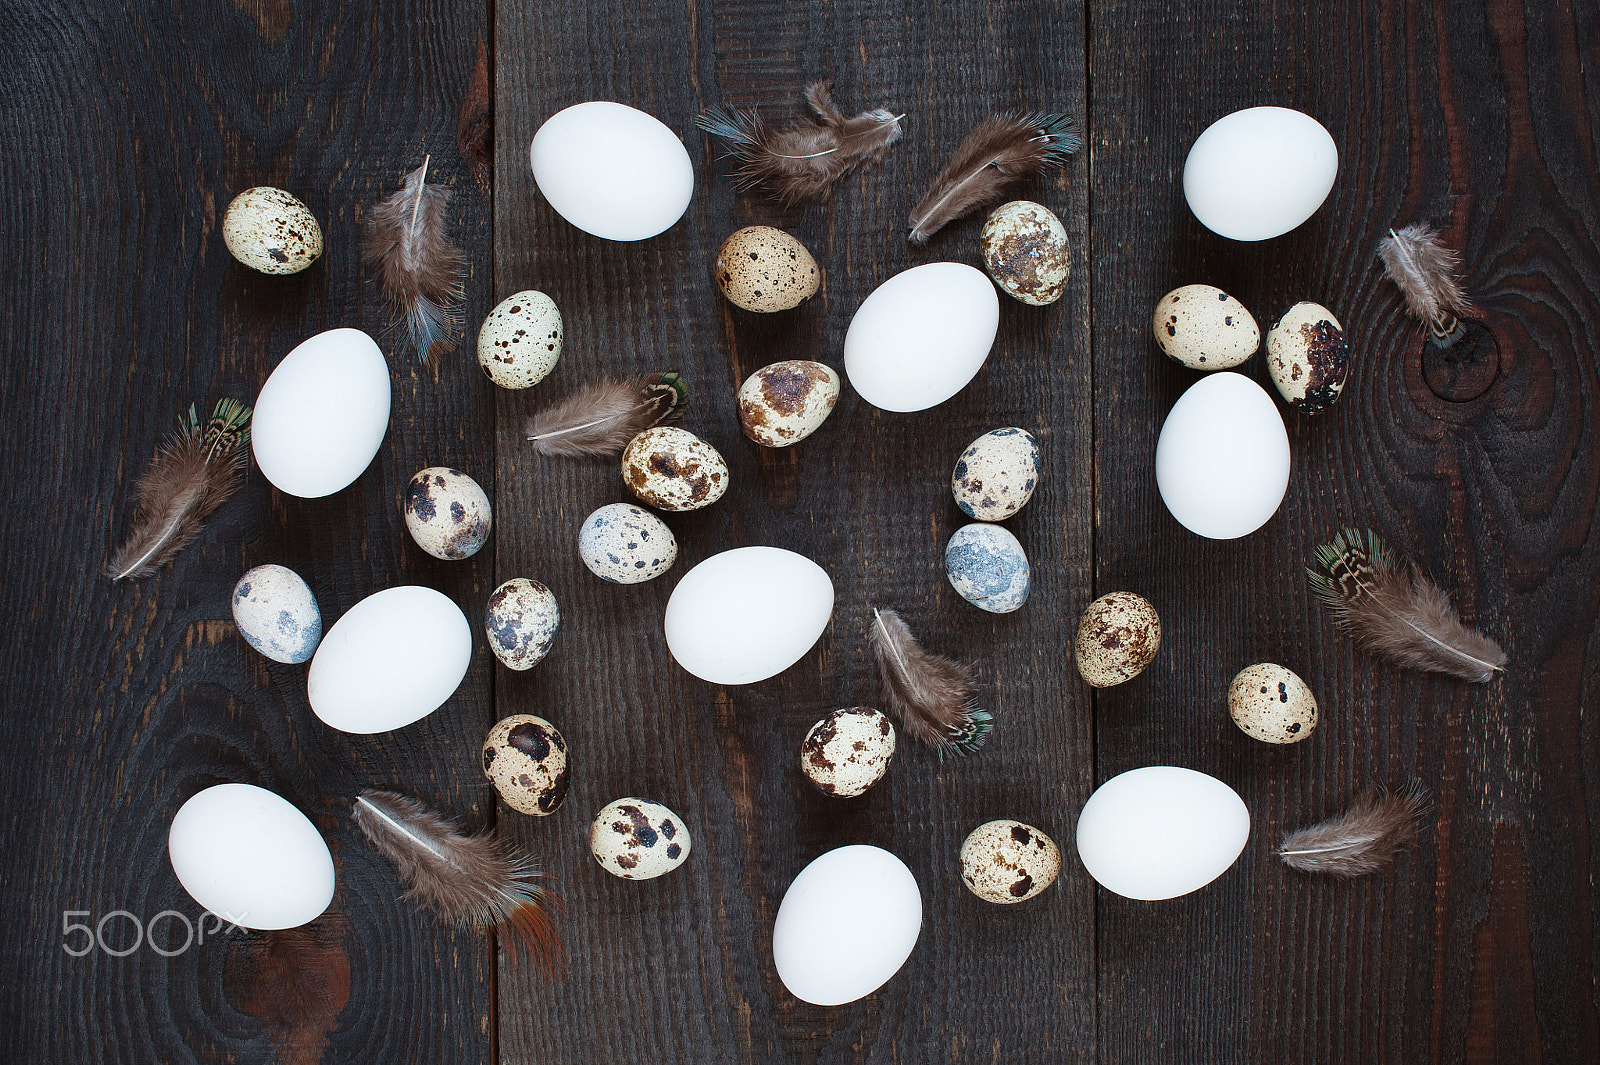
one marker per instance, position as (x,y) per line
(1271,703)
(1007,862)
(996,474)
(786,402)
(1308,357)
(277,614)
(626,544)
(638,840)
(521,621)
(988,567)
(526,760)
(848,751)
(1024,246)
(447,513)
(1117,637)
(520,341)
(672,469)
(269,230)
(1204,328)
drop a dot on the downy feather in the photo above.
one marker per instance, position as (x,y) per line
(419,270)
(999,152)
(1427,273)
(931,695)
(600,418)
(1361,840)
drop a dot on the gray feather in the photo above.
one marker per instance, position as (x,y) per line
(1362,839)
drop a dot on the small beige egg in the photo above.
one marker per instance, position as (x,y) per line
(996,475)
(638,840)
(1008,862)
(269,230)
(626,544)
(764,269)
(786,402)
(1204,328)
(1118,637)
(1024,246)
(1308,357)
(848,751)
(520,340)
(526,759)
(672,469)
(521,622)
(1271,703)
(447,513)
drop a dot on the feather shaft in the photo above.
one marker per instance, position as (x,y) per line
(1000,151)
(932,696)
(1360,840)
(420,270)
(601,418)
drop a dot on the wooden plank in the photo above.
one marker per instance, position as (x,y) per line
(127,132)
(680,968)
(1479,945)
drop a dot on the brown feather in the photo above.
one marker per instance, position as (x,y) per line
(1427,273)
(419,270)
(600,418)
(805,159)
(931,695)
(475,123)
(999,152)
(470,881)
(1362,839)
(193,472)
(1393,610)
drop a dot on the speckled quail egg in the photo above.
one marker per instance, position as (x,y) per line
(1204,328)
(521,621)
(520,341)
(1024,246)
(764,269)
(277,614)
(1118,636)
(526,759)
(1308,357)
(626,544)
(1008,862)
(786,402)
(447,513)
(848,751)
(996,474)
(672,469)
(638,840)
(269,230)
(1271,703)
(987,565)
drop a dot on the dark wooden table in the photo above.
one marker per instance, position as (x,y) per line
(127,131)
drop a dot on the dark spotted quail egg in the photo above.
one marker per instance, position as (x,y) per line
(638,840)
(526,759)
(269,230)
(277,614)
(996,474)
(626,544)
(521,621)
(447,513)
(672,469)
(848,751)
(1024,246)
(1308,357)
(1204,328)
(1272,704)
(764,269)
(1008,862)
(520,341)
(786,402)
(1118,636)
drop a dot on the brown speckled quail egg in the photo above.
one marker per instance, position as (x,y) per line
(996,474)
(520,341)
(848,751)
(1271,703)
(526,759)
(1008,862)
(786,402)
(269,230)
(1024,246)
(638,840)
(1118,636)
(764,269)
(672,469)
(521,621)
(1204,328)
(626,544)
(1308,357)
(447,513)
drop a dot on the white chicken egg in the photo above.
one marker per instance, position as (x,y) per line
(612,170)
(1161,831)
(1222,459)
(921,336)
(250,857)
(1260,172)
(394,658)
(322,414)
(846,925)
(520,341)
(747,614)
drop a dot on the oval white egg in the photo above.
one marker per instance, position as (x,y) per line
(612,170)
(322,414)
(921,336)
(1161,831)
(747,614)
(1260,172)
(394,658)
(846,925)
(250,857)
(1222,460)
